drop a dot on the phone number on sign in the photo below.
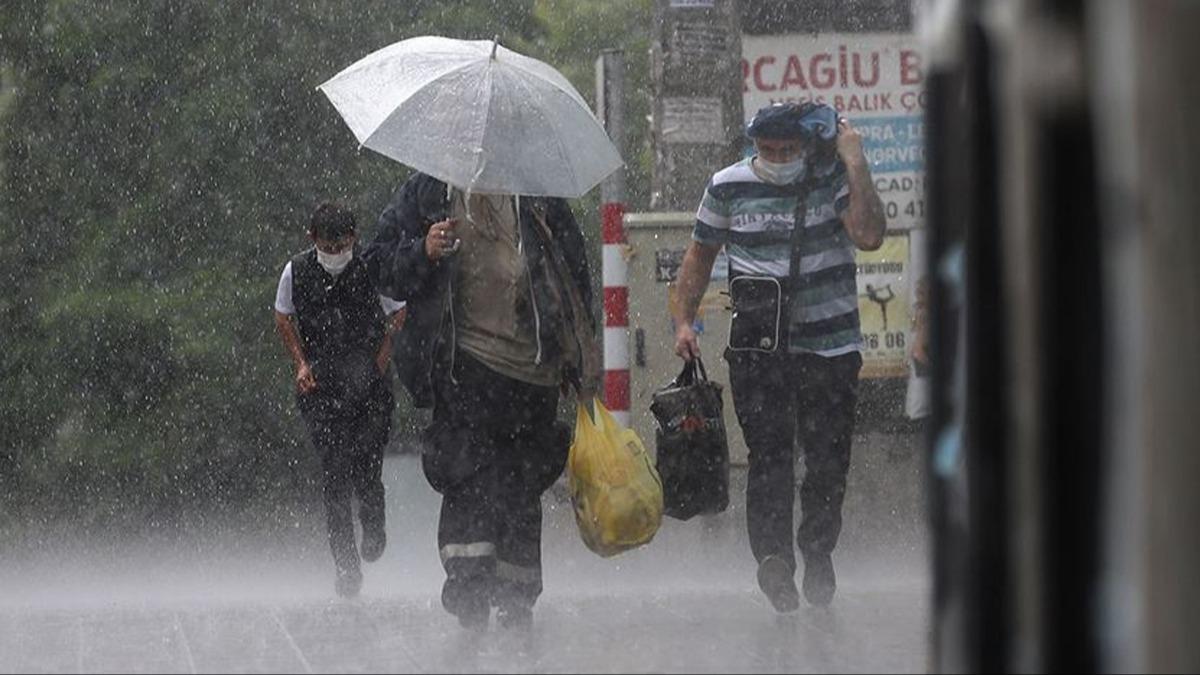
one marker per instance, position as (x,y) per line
(909,208)
(889,340)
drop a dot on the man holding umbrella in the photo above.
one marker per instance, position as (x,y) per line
(499,309)
(484,248)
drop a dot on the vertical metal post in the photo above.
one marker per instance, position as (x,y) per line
(610,101)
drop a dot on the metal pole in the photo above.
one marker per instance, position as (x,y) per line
(610,101)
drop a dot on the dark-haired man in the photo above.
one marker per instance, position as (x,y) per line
(337,330)
(790,218)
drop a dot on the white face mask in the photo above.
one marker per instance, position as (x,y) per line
(779,174)
(334,263)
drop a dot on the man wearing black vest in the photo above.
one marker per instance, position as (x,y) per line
(337,330)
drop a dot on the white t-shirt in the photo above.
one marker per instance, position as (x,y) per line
(283,296)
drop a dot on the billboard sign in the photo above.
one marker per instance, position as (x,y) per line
(874,79)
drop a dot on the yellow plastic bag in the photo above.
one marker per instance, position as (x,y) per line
(615,489)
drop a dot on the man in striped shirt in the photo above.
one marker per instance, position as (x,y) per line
(790,218)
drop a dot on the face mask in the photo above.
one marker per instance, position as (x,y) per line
(334,263)
(779,174)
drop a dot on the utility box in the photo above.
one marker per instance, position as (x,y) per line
(656,242)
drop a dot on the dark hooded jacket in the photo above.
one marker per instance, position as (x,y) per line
(399,267)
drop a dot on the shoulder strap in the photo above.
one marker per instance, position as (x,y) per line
(803,189)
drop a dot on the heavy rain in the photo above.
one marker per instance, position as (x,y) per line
(576,336)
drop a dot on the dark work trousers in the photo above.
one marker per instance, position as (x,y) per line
(784,400)
(350,439)
(494,447)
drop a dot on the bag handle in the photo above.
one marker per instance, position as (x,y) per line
(688,375)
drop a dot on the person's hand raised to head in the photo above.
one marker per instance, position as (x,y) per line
(849,144)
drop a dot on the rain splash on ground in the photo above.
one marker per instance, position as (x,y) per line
(685,603)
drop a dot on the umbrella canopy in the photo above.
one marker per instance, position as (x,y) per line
(476,115)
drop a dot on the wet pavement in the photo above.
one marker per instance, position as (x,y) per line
(685,603)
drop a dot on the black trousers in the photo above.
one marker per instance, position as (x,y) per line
(350,439)
(494,447)
(784,400)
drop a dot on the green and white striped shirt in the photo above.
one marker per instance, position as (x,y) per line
(754,221)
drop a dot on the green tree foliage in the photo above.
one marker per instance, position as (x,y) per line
(158,161)
(576,34)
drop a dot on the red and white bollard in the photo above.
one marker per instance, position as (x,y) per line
(615,275)
(610,105)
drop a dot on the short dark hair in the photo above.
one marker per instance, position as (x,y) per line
(331,222)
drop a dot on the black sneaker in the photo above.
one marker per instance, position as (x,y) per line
(374,541)
(775,578)
(819,580)
(348,583)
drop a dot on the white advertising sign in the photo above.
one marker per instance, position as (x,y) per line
(874,79)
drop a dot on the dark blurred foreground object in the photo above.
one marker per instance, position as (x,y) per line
(1062,168)
(692,450)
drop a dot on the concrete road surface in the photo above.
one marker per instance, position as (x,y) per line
(685,603)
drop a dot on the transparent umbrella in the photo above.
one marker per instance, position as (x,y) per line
(476,115)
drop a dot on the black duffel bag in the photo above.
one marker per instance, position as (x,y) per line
(692,451)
